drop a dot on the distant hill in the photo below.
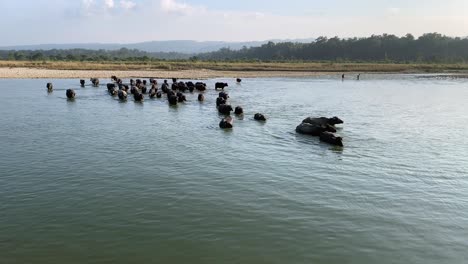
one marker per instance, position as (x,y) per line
(180,46)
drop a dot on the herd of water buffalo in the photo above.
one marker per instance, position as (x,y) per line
(322,127)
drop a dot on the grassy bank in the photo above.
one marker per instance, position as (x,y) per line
(237,66)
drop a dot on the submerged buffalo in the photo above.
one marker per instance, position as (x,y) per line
(323,121)
(322,127)
(82,82)
(95,82)
(122,95)
(238,110)
(50,87)
(70,94)
(220,101)
(330,138)
(201,97)
(226,123)
(200,86)
(259,117)
(314,129)
(224,95)
(138,97)
(225,109)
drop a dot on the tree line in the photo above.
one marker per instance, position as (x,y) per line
(428,48)
(122,54)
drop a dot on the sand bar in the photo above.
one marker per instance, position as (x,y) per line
(33,73)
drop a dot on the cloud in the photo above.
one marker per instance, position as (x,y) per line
(172,6)
(109,4)
(125,4)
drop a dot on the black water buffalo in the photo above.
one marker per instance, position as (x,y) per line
(330,138)
(226,123)
(259,117)
(323,121)
(239,80)
(138,97)
(220,101)
(225,109)
(200,86)
(238,110)
(82,82)
(122,95)
(201,97)
(110,86)
(174,80)
(50,87)
(173,99)
(220,85)
(314,129)
(70,94)
(224,95)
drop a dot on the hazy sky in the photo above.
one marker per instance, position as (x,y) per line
(126,21)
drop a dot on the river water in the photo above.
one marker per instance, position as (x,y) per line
(96,180)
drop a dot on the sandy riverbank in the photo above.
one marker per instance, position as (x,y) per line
(28,73)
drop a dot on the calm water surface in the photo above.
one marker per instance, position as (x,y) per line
(95,180)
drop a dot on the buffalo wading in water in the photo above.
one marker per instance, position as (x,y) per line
(226,123)
(82,82)
(70,94)
(122,95)
(138,97)
(330,138)
(220,85)
(238,110)
(95,82)
(201,97)
(259,117)
(225,109)
(50,87)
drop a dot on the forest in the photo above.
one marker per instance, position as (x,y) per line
(386,48)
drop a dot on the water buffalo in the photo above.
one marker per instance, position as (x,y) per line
(314,129)
(323,121)
(50,87)
(82,83)
(134,90)
(331,139)
(225,109)
(200,86)
(238,110)
(201,97)
(113,91)
(138,97)
(173,99)
(190,86)
(70,94)
(94,81)
(220,101)
(224,95)
(259,117)
(114,78)
(226,123)
(110,86)
(181,97)
(143,89)
(239,80)
(220,85)
(132,82)
(182,87)
(122,95)
(174,80)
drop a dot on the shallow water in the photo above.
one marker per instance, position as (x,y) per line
(95,180)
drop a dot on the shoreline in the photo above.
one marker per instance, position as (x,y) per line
(36,73)
(199,74)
